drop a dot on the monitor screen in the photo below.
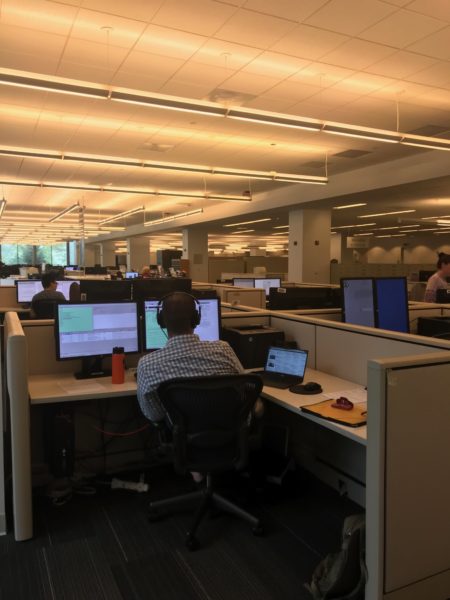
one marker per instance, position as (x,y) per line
(358,306)
(392,303)
(67,268)
(244,282)
(84,330)
(27,289)
(267,283)
(131,275)
(146,289)
(208,330)
(287,361)
(105,290)
(293,298)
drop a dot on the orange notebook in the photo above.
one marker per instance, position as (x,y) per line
(356,417)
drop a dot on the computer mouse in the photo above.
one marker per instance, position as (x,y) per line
(312,386)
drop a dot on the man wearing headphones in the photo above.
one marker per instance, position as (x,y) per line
(184,355)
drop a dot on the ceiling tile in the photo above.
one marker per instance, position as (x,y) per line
(361,84)
(169,42)
(89,25)
(142,10)
(139,64)
(250,83)
(401,29)
(270,103)
(296,11)
(357,54)
(198,74)
(24,41)
(322,74)
(401,64)
(350,16)
(294,90)
(195,16)
(35,15)
(331,98)
(436,75)
(186,89)
(308,42)
(92,55)
(253,29)
(439,9)
(274,64)
(34,62)
(436,45)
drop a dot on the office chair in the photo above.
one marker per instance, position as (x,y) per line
(45,308)
(210,419)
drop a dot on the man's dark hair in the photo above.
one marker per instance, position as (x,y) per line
(48,279)
(178,311)
(444,259)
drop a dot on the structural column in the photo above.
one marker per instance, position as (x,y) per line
(107,254)
(195,250)
(138,253)
(309,245)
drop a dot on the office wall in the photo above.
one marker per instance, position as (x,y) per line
(418,248)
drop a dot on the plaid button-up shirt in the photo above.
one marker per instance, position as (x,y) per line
(182,356)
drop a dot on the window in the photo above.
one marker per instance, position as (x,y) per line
(43,254)
(25,254)
(9,254)
(59,254)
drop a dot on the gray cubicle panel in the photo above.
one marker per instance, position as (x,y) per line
(8,297)
(17,387)
(408,483)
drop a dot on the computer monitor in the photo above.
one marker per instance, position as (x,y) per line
(26,289)
(246,282)
(146,289)
(266,283)
(358,301)
(131,275)
(391,300)
(91,331)
(97,270)
(208,330)
(425,275)
(69,268)
(304,297)
(105,290)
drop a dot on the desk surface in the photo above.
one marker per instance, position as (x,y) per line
(63,387)
(330,384)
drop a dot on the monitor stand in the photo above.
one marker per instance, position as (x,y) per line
(92,367)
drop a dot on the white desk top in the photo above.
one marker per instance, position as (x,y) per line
(330,384)
(63,387)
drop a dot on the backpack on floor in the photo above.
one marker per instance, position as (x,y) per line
(343,576)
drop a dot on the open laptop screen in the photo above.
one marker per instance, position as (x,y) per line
(286,361)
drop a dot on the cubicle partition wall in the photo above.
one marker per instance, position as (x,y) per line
(8,298)
(408,483)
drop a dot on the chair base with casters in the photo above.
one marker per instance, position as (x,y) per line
(210,428)
(208,499)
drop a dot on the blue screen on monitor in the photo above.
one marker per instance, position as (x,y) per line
(392,304)
(358,301)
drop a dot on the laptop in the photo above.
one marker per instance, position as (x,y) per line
(284,367)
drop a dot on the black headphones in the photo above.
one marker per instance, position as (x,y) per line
(196,315)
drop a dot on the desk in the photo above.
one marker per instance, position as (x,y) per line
(330,384)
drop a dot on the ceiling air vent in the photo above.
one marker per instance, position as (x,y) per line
(429,130)
(315,164)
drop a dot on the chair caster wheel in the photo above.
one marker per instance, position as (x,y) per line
(258,530)
(192,543)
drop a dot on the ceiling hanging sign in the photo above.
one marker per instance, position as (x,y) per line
(357,242)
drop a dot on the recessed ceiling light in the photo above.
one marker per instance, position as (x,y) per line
(352,226)
(349,205)
(394,212)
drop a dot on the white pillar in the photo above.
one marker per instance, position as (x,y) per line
(309,245)
(195,250)
(138,253)
(90,254)
(107,254)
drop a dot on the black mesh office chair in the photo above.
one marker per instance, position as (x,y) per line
(210,419)
(45,308)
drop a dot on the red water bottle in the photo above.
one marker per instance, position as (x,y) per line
(118,365)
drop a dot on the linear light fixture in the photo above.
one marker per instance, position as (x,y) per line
(122,215)
(394,212)
(66,211)
(67,86)
(349,206)
(361,234)
(178,167)
(356,225)
(442,231)
(248,222)
(173,217)
(281,226)
(241,231)
(386,228)
(435,218)
(2,206)
(409,226)
(116,190)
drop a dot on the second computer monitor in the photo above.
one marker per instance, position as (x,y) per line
(208,330)
(358,302)
(266,283)
(246,282)
(26,289)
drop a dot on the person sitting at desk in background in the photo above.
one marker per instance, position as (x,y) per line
(184,355)
(145,273)
(438,280)
(49,283)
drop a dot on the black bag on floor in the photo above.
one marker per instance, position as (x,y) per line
(343,576)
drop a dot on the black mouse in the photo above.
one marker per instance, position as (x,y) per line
(309,388)
(312,386)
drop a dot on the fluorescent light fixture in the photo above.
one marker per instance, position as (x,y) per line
(356,225)
(394,212)
(409,226)
(443,222)
(398,235)
(281,226)
(173,217)
(442,231)
(241,231)
(349,206)
(361,234)
(280,120)
(2,206)
(435,218)
(248,222)
(281,233)
(428,143)
(122,215)
(432,229)
(362,133)
(66,211)
(386,228)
